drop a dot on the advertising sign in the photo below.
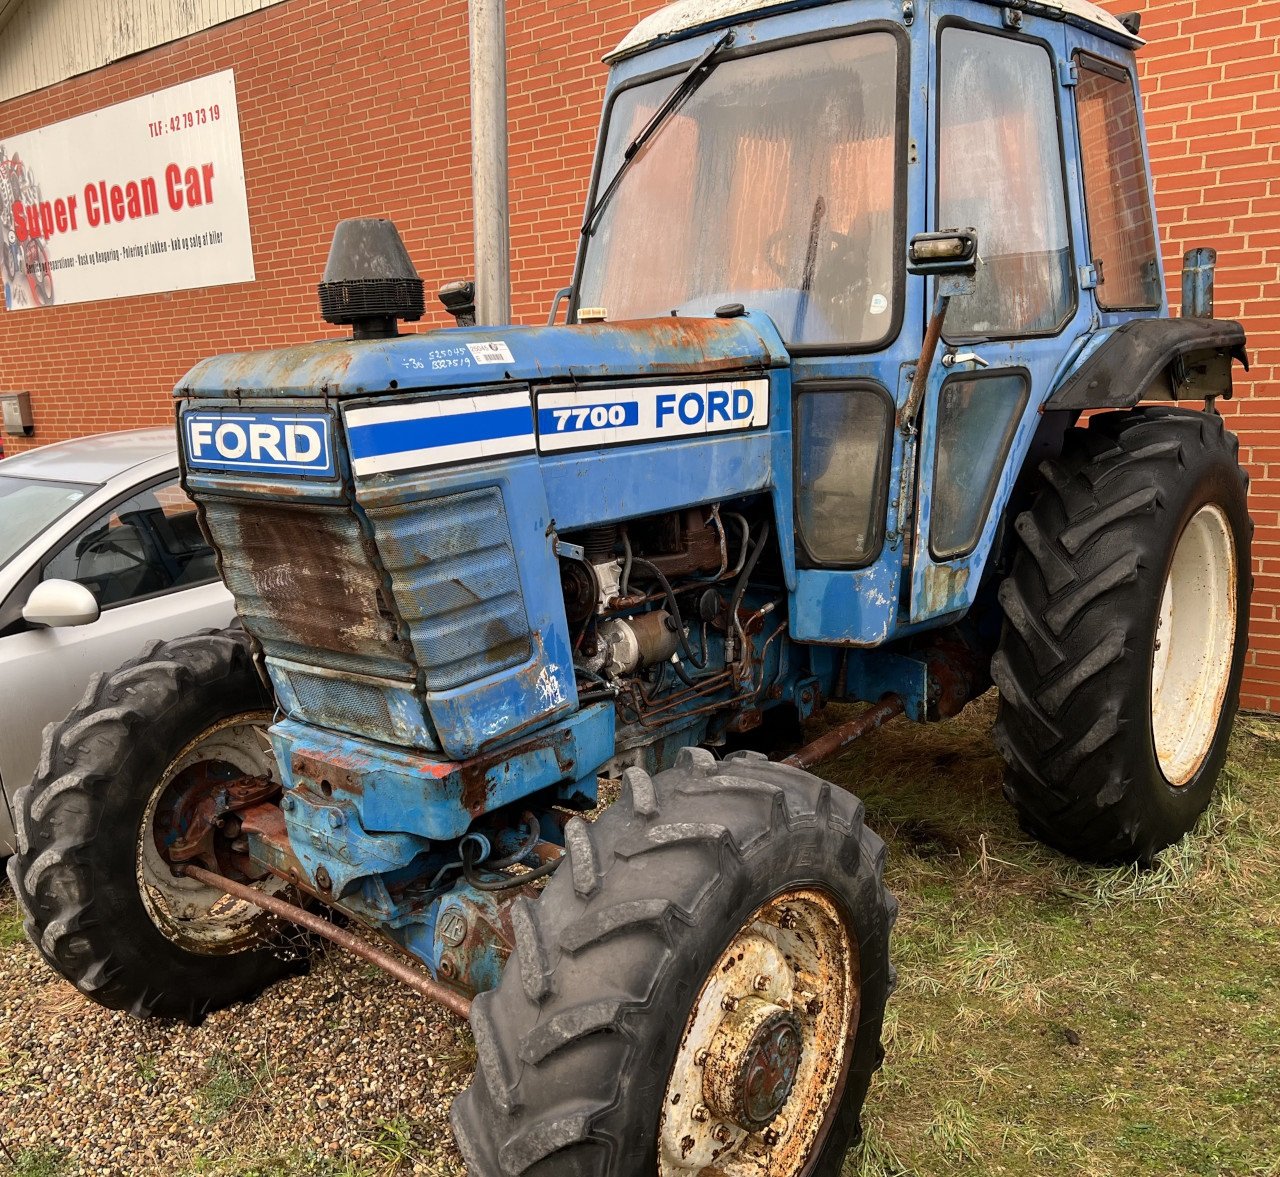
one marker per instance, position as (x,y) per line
(144,196)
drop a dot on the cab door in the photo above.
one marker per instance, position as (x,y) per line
(998,139)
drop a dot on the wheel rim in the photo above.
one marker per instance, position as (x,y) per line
(1195,643)
(203,919)
(766,1047)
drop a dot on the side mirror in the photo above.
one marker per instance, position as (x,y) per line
(59,603)
(954,252)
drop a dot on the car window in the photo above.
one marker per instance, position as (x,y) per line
(148,544)
(28,507)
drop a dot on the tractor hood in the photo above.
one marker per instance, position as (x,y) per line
(341,368)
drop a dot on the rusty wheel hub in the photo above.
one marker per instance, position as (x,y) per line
(191,818)
(766,1045)
(752,1066)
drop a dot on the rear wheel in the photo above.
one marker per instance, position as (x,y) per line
(1126,626)
(142,774)
(699,989)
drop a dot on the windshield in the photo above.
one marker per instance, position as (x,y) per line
(773,186)
(28,507)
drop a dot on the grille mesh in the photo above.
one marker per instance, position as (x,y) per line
(454,576)
(343,704)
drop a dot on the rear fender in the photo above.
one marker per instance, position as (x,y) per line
(1152,359)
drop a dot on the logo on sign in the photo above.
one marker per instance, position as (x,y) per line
(266,442)
(604,417)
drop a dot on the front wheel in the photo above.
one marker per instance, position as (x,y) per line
(1126,626)
(136,776)
(699,989)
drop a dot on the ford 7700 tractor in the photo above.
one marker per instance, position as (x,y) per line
(868,391)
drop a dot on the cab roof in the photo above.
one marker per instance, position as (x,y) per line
(686,17)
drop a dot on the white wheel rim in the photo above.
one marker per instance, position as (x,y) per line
(200,918)
(792,972)
(1195,642)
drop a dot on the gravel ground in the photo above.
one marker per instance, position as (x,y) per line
(342,1072)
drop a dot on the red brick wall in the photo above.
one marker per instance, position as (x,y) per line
(347,111)
(1212,99)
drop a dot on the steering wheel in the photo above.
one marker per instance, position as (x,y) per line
(835,246)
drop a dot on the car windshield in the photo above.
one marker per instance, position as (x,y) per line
(773,185)
(28,507)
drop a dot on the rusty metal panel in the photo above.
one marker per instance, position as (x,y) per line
(455,581)
(306,587)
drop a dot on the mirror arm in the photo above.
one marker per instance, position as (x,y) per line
(920,379)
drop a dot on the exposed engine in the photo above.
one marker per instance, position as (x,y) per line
(657,613)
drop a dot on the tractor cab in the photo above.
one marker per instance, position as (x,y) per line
(812,143)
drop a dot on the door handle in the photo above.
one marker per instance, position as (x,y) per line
(952,358)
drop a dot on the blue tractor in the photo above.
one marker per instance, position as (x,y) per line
(867,391)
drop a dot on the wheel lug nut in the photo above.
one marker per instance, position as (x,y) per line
(700,1113)
(761,983)
(722,1134)
(700,1059)
(728,1004)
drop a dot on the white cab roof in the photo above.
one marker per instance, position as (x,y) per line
(684,15)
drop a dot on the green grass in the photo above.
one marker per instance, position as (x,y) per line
(229,1084)
(1053,1018)
(11,932)
(44,1162)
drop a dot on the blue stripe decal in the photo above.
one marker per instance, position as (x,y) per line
(394,437)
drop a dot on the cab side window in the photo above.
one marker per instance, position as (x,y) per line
(1122,233)
(1000,171)
(148,544)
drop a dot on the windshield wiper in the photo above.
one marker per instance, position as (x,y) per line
(697,73)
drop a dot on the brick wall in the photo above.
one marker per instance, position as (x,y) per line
(1212,98)
(348,111)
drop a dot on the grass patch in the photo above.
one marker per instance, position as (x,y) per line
(11,932)
(43,1162)
(1052,1018)
(229,1084)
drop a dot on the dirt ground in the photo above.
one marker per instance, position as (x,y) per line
(1051,1019)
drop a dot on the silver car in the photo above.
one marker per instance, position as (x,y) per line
(100,553)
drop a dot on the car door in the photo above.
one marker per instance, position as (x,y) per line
(153,575)
(998,139)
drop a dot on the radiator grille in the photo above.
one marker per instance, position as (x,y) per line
(342,704)
(454,576)
(306,586)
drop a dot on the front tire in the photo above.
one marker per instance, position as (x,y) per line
(99,900)
(1126,627)
(699,988)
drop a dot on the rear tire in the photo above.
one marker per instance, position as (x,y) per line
(98,899)
(590,1040)
(1126,627)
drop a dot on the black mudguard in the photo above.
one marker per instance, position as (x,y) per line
(1155,359)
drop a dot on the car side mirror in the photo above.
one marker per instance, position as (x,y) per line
(60,603)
